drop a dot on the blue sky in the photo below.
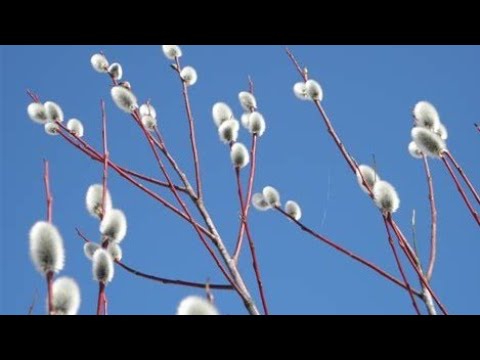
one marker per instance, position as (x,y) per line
(369,93)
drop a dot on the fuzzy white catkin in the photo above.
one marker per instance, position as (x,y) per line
(76,127)
(221,112)
(51,128)
(256,124)
(428,142)
(414,150)
(102,266)
(99,63)
(94,198)
(65,296)
(89,249)
(54,111)
(272,196)
(314,90)
(172,51)
(149,122)
(300,91)
(115,251)
(293,209)
(148,109)
(189,75)
(114,226)
(248,101)
(228,131)
(245,120)
(37,113)
(426,115)
(442,131)
(239,155)
(370,176)
(195,305)
(116,71)
(259,202)
(46,248)
(386,197)
(124,99)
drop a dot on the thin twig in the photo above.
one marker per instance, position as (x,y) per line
(191,124)
(89,151)
(243,292)
(49,197)
(246,206)
(412,259)
(433,212)
(101,298)
(49,278)
(158,279)
(475,215)
(251,243)
(348,158)
(414,233)
(106,157)
(464,176)
(348,252)
(400,267)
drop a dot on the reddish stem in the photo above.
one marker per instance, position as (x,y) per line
(411,258)
(46,180)
(433,212)
(89,151)
(106,157)
(348,253)
(252,245)
(160,279)
(475,215)
(185,209)
(191,124)
(101,298)
(400,267)
(50,292)
(105,304)
(464,176)
(163,148)
(246,206)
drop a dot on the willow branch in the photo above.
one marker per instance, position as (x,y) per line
(400,267)
(347,252)
(433,212)
(158,279)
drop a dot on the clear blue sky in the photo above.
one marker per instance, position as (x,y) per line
(369,93)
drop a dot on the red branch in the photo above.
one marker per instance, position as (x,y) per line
(49,197)
(348,253)
(400,267)
(246,206)
(464,176)
(89,151)
(354,167)
(161,279)
(50,274)
(106,157)
(414,262)
(191,125)
(185,209)
(50,292)
(475,215)
(252,245)
(433,212)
